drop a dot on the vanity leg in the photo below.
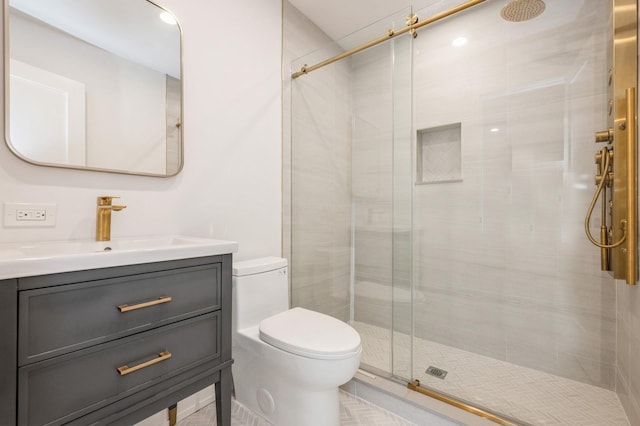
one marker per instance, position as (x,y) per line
(223,398)
(173,415)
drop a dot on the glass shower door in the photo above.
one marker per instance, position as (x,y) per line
(402,202)
(351,192)
(510,304)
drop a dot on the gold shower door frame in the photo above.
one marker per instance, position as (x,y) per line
(622,122)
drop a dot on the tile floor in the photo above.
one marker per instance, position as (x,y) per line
(354,411)
(517,392)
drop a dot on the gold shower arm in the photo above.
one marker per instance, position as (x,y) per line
(410,28)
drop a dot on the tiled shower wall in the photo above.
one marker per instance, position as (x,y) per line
(333,116)
(503,267)
(317,172)
(372,185)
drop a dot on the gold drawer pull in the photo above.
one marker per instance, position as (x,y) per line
(159,300)
(125,369)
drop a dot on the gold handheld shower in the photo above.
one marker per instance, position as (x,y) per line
(604,179)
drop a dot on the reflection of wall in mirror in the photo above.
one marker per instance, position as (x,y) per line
(121,135)
(174,125)
(47,119)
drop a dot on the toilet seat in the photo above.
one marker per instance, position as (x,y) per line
(310,334)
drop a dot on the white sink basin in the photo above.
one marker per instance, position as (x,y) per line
(27,259)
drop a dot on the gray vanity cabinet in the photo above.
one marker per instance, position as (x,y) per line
(115,345)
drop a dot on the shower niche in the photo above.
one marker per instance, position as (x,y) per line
(439,154)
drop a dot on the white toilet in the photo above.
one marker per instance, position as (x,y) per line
(288,363)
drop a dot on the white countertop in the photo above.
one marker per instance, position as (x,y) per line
(51,257)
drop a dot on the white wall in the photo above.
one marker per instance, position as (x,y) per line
(230,185)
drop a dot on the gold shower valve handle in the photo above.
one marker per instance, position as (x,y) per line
(599,157)
(609,179)
(604,136)
(599,163)
(604,160)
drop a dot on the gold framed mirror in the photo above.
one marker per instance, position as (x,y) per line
(94,85)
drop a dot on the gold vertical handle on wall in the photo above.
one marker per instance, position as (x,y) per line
(162,356)
(632,188)
(158,301)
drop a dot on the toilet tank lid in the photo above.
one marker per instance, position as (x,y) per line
(256,266)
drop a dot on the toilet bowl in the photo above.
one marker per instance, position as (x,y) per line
(288,363)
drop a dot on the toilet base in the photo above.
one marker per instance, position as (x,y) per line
(285,389)
(294,408)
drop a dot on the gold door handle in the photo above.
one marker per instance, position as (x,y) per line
(158,301)
(162,356)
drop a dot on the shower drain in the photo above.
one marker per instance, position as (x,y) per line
(436,372)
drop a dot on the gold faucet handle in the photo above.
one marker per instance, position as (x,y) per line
(105,200)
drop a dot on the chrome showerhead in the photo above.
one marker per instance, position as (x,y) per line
(522,10)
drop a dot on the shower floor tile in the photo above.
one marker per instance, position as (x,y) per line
(521,393)
(354,411)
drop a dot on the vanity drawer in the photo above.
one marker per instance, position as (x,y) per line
(60,319)
(58,390)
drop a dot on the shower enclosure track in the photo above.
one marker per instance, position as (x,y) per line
(415,386)
(412,25)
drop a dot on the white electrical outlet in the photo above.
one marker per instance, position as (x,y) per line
(29,215)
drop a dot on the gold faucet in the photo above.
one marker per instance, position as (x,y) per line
(103,217)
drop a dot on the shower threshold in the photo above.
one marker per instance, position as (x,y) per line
(415,386)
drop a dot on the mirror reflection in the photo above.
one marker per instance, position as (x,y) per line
(94,85)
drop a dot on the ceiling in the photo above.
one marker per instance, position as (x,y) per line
(339,18)
(131,29)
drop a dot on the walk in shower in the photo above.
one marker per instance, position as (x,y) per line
(437,189)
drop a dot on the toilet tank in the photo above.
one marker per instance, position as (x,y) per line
(260,290)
